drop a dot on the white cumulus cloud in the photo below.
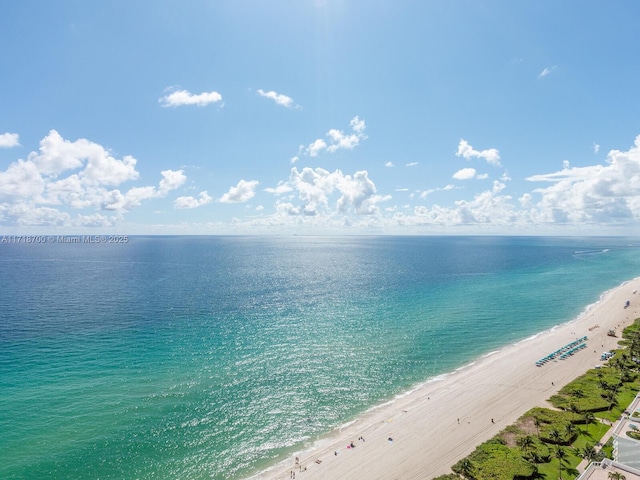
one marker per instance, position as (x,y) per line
(338,140)
(243,192)
(21,180)
(171,179)
(184,97)
(488,208)
(594,194)
(76,175)
(279,98)
(315,189)
(316,147)
(465,174)
(8,140)
(193,202)
(585,199)
(281,189)
(359,193)
(492,156)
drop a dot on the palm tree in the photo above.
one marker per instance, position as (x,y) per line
(616,476)
(603,384)
(555,436)
(465,467)
(634,347)
(608,392)
(570,430)
(534,459)
(611,396)
(573,408)
(589,418)
(626,375)
(615,362)
(525,443)
(561,455)
(620,362)
(537,423)
(588,452)
(578,393)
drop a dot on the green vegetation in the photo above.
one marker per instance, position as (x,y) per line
(497,461)
(607,449)
(605,392)
(549,444)
(633,434)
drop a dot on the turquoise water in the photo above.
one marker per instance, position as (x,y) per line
(214,357)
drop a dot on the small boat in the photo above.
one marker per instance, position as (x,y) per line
(611,333)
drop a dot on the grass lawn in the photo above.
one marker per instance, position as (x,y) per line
(585,409)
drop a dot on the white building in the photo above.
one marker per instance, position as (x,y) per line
(601,471)
(626,450)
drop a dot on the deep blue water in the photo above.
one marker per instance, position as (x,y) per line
(213,357)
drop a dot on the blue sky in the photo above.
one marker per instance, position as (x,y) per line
(320,117)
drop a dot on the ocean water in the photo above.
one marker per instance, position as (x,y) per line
(215,357)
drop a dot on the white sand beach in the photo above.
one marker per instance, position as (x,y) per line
(441,422)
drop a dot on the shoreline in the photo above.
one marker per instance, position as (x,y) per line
(443,419)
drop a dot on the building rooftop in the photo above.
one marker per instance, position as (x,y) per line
(601,471)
